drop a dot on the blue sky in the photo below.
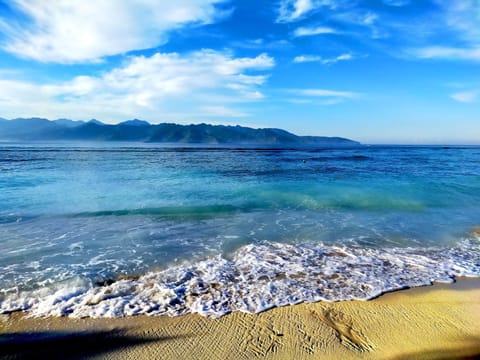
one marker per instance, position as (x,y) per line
(384,71)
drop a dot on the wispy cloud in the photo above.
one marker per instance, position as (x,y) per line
(316,30)
(448,53)
(440,29)
(397,2)
(322,60)
(465,96)
(75,31)
(363,19)
(201,83)
(458,22)
(463,17)
(321,96)
(262,44)
(327,93)
(348,18)
(294,10)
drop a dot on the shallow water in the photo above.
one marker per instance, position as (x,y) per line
(214,230)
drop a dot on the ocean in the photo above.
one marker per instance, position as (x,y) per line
(116,229)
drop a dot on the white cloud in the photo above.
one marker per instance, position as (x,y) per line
(317,30)
(344,57)
(200,83)
(448,53)
(325,61)
(293,10)
(307,58)
(321,96)
(327,93)
(78,31)
(442,23)
(465,96)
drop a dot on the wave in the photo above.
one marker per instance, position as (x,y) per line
(258,200)
(164,211)
(255,278)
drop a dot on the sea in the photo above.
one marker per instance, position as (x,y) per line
(118,229)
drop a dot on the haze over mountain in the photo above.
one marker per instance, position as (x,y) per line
(38,129)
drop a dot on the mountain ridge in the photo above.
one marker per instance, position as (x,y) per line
(40,129)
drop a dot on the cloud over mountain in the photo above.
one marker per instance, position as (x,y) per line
(168,84)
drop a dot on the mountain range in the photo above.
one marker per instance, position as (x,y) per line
(38,129)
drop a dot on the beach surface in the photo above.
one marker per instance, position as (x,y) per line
(434,322)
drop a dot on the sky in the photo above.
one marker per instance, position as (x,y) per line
(383,71)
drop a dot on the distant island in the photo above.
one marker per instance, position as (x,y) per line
(38,129)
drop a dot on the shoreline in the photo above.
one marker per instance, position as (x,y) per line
(438,321)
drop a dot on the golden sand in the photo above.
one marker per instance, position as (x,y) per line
(437,322)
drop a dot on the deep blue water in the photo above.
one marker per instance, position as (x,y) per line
(87,214)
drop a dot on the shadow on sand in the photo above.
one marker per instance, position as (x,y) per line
(67,345)
(470,351)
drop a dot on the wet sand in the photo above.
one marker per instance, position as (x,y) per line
(435,322)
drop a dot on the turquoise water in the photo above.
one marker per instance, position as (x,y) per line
(214,230)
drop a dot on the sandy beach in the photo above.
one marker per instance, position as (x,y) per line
(435,322)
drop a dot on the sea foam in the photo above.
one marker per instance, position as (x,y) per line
(256,278)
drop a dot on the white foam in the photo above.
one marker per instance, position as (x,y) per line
(256,278)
